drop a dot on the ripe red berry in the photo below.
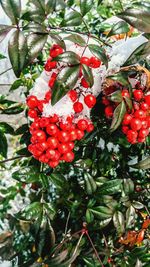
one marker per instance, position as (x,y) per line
(34,126)
(80,134)
(125,93)
(144,124)
(140,114)
(94,62)
(90,128)
(50,153)
(144,106)
(138,94)
(73,95)
(52,142)
(78,107)
(109,111)
(41,104)
(147,99)
(71,145)
(56,50)
(48,96)
(50,64)
(40,136)
(127,119)
(143,133)
(52,129)
(125,129)
(53,164)
(69,156)
(51,82)
(42,146)
(63,148)
(85,60)
(54,118)
(82,124)
(32,113)
(90,100)
(148,121)
(141,140)
(43,158)
(32,101)
(131,136)
(84,83)
(105,101)
(63,136)
(37,153)
(44,122)
(73,135)
(135,124)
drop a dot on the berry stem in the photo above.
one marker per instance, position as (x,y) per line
(95,250)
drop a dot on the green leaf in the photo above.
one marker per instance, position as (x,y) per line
(66,79)
(3,145)
(121,77)
(138,18)
(4,30)
(6,128)
(12,8)
(128,186)
(130,217)
(89,216)
(118,116)
(76,38)
(116,96)
(99,52)
(49,210)
(128,102)
(102,212)
(35,44)
(26,175)
(104,223)
(22,129)
(90,184)
(16,85)
(110,187)
(85,6)
(33,211)
(118,28)
(137,205)
(88,75)
(72,18)
(2,56)
(118,220)
(143,164)
(68,57)
(58,40)
(17,49)
(16,109)
(57,179)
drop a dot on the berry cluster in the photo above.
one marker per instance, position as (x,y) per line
(53,137)
(135,123)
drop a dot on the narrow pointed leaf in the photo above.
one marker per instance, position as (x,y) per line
(99,52)
(68,57)
(143,164)
(35,44)
(4,30)
(88,75)
(118,28)
(73,18)
(118,220)
(118,116)
(12,8)
(76,38)
(3,145)
(85,6)
(102,212)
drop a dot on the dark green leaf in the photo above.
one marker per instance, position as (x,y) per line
(33,211)
(110,187)
(66,79)
(118,116)
(12,8)
(16,85)
(35,44)
(49,210)
(138,18)
(89,216)
(116,96)
(118,28)
(143,164)
(88,75)
(2,56)
(22,129)
(128,186)
(85,6)
(102,212)
(72,18)
(130,217)
(118,220)
(26,175)
(121,77)
(57,179)
(137,205)
(68,57)
(99,52)
(76,38)
(128,102)
(104,223)
(6,128)
(58,40)
(3,145)
(90,184)
(16,109)
(4,30)
(139,53)
(17,49)
(35,27)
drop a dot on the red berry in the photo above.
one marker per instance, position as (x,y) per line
(37,153)
(32,113)
(94,62)
(73,135)
(63,148)
(82,124)
(135,124)
(73,95)
(84,83)
(105,101)
(44,122)
(65,126)
(143,133)
(63,136)
(141,140)
(52,129)
(85,60)
(34,126)
(50,153)
(136,106)
(131,136)
(90,100)
(125,129)
(53,164)
(71,145)
(40,136)
(41,104)
(148,121)
(90,128)
(42,146)
(144,124)
(78,107)
(69,156)
(50,64)
(127,119)
(52,142)
(138,94)
(31,148)
(147,99)
(43,158)
(32,101)
(80,134)
(144,106)
(48,95)
(125,93)
(56,50)
(109,111)
(140,114)
(33,139)
(54,119)
(51,82)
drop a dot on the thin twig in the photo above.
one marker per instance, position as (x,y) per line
(17,157)
(66,226)
(96,253)
(5,71)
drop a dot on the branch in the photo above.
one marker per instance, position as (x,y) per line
(17,157)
